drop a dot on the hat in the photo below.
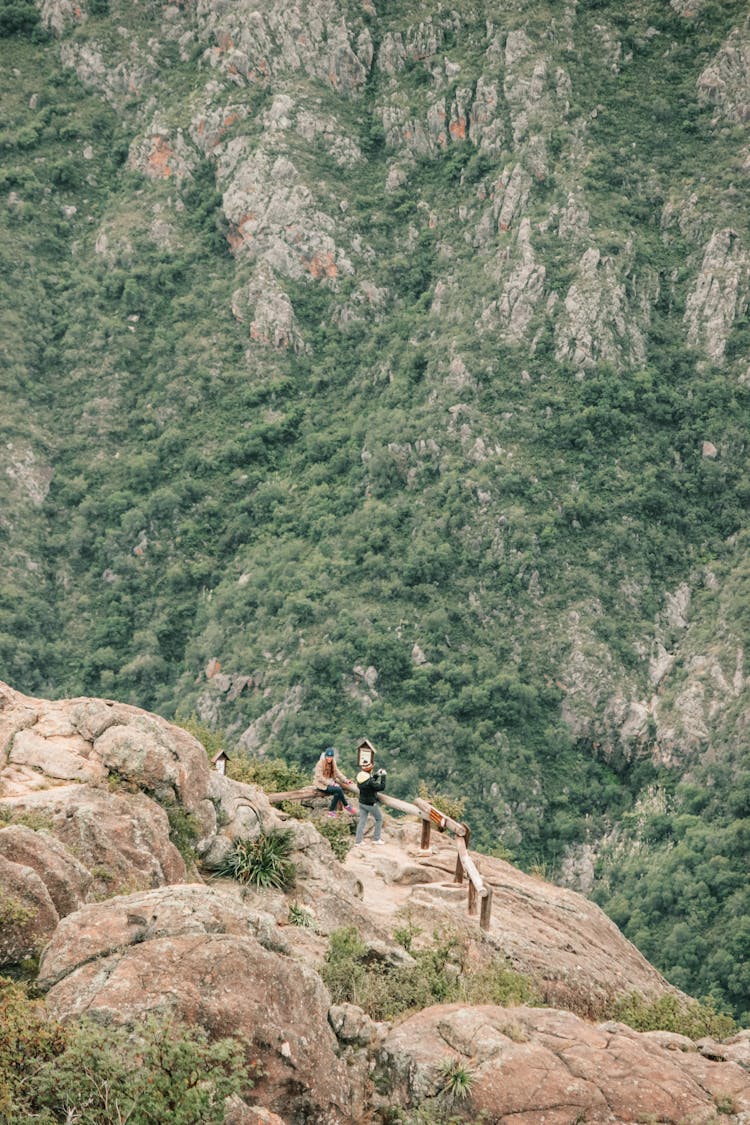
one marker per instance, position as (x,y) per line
(330,752)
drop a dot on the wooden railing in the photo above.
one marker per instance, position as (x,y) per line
(431,817)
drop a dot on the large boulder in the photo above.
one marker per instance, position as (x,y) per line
(122,838)
(27,913)
(67,879)
(102,929)
(44,744)
(191,952)
(529,1065)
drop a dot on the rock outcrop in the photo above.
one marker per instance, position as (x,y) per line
(526,1066)
(197,954)
(126,929)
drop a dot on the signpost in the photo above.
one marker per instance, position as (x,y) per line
(365,753)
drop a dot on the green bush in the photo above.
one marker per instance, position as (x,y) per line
(273,775)
(452,806)
(155,1072)
(439,975)
(183,831)
(263,861)
(693,1018)
(339,833)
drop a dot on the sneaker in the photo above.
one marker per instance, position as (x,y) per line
(351,810)
(331,814)
(378,841)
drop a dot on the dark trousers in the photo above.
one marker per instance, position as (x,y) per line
(337,797)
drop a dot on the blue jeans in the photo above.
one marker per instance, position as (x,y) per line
(364,812)
(337,797)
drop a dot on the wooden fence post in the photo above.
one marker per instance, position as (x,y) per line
(425,841)
(484,914)
(472,898)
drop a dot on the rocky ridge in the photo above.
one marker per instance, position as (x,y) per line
(125,927)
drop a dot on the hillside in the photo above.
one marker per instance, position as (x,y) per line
(355,990)
(382,368)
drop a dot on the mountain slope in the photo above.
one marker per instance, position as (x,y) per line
(383,369)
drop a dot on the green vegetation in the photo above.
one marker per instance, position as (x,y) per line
(154,1072)
(451,806)
(273,775)
(183,831)
(262,861)
(695,1020)
(414,478)
(438,975)
(677,886)
(457,1080)
(339,833)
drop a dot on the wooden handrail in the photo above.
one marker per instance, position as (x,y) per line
(430,815)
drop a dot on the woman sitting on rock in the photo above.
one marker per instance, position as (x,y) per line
(328,779)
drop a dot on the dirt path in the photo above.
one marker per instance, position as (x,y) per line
(378,866)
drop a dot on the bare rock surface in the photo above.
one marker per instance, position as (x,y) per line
(101,929)
(66,879)
(121,838)
(89,740)
(531,1065)
(229,984)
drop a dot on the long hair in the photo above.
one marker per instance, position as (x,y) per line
(328,767)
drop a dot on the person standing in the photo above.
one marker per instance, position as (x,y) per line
(369,786)
(328,779)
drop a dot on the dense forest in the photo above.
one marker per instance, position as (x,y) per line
(382,369)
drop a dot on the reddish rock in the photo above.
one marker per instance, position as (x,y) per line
(121,838)
(530,1065)
(229,985)
(27,913)
(65,877)
(45,742)
(101,929)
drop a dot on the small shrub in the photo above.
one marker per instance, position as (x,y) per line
(457,1080)
(272,776)
(183,831)
(695,1019)
(344,971)
(339,834)
(263,861)
(406,934)
(29,818)
(25,1035)
(451,806)
(498,983)
(14,914)
(298,916)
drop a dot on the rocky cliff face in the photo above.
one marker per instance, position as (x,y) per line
(124,929)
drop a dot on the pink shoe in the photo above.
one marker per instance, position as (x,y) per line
(351,810)
(331,814)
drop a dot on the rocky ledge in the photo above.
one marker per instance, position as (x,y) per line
(92,883)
